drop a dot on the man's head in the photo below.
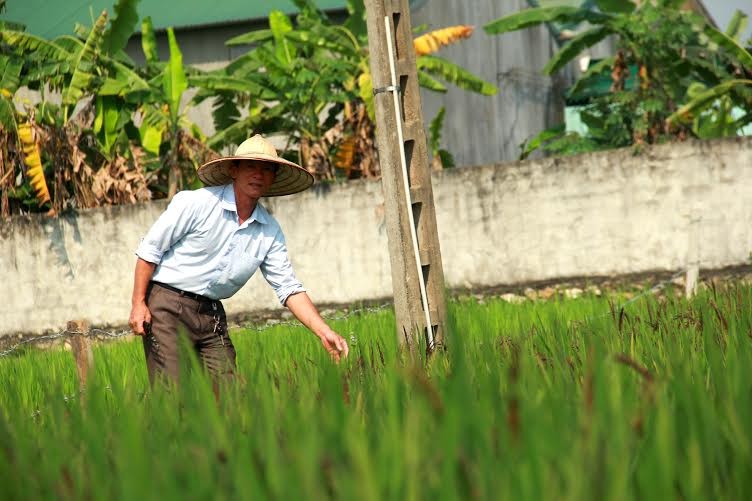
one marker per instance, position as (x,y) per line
(253,178)
(287,178)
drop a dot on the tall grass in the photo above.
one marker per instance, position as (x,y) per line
(566,399)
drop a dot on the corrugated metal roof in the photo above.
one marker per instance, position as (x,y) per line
(51,18)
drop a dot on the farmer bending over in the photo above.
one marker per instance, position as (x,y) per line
(205,247)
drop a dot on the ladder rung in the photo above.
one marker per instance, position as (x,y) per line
(416,194)
(402,68)
(434,317)
(425,257)
(411,130)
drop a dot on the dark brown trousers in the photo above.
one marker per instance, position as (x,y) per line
(202,321)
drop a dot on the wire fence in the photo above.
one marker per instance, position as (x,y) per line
(104,334)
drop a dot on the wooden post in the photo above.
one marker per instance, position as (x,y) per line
(401,138)
(693,258)
(81,348)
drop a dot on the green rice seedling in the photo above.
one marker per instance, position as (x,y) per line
(567,399)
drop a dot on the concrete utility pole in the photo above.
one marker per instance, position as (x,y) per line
(417,273)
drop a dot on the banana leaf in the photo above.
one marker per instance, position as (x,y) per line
(706,98)
(84,64)
(10,73)
(730,45)
(592,72)
(26,43)
(7,114)
(455,74)
(280,25)
(174,81)
(121,27)
(428,82)
(250,38)
(149,41)
(574,47)
(533,17)
(616,6)
(737,25)
(227,83)
(106,121)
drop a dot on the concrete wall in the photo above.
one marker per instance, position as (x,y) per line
(598,214)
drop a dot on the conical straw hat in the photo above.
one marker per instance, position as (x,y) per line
(291,177)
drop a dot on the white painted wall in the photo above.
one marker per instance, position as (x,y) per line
(599,214)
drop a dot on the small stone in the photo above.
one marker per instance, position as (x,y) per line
(531,294)
(573,293)
(287,315)
(513,298)
(546,293)
(592,289)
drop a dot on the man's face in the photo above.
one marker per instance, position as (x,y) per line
(253,178)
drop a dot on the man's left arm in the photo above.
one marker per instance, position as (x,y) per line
(304,310)
(278,272)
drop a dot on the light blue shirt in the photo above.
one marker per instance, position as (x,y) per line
(198,246)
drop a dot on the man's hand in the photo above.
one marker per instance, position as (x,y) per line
(301,306)
(140,315)
(334,344)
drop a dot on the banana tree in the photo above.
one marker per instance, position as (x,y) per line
(666,48)
(711,110)
(78,68)
(66,68)
(166,132)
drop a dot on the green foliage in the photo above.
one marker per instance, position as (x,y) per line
(174,82)
(299,69)
(149,41)
(534,17)
(455,74)
(83,64)
(558,142)
(566,399)
(574,48)
(121,27)
(10,73)
(441,157)
(306,77)
(616,6)
(662,52)
(711,109)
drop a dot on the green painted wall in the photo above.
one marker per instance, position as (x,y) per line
(51,18)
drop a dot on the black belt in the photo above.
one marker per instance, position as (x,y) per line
(191,295)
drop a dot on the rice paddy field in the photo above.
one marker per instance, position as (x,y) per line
(559,399)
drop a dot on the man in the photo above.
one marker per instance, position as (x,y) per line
(205,247)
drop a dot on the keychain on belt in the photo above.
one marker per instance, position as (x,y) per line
(217,330)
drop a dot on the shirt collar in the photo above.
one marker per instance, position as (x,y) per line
(228,202)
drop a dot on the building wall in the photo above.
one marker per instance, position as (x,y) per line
(594,215)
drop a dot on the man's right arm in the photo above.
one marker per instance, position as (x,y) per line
(139,311)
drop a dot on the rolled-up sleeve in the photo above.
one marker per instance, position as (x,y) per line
(171,226)
(278,272)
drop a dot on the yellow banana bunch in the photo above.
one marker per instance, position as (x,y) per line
(33,162)
(435,40)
